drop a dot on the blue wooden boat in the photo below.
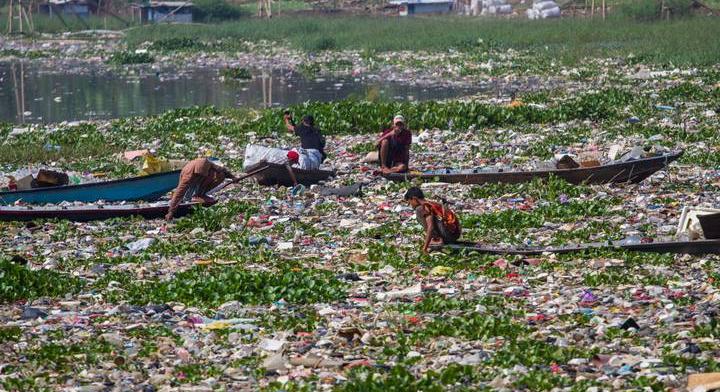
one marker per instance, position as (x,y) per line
(147,188)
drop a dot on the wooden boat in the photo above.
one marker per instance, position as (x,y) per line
(631,171)
(697,247)
(91,212)
(277,174)
(710,224)
(147,188)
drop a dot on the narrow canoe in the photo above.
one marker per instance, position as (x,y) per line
(697,247)
(147,188)
(90,213)
(277,174)
(631,171)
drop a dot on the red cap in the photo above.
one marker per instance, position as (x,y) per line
(293,156)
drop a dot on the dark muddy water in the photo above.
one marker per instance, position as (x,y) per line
(38,93)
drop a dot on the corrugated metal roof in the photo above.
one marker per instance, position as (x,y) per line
(63,2)
(173,4)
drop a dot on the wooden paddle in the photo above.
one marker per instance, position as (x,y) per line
(249,174)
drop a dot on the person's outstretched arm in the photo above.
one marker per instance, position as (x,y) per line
(289,122)
(177,197)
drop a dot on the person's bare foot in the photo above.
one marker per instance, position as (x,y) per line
(436,242)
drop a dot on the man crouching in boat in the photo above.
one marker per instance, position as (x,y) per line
(441,225)
(197,178)
(394,147)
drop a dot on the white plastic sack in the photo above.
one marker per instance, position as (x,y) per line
(488,3)
(551,13)
(309,159)
(255,154)
(139,245)
(503,9)
(544,5)
(532,14)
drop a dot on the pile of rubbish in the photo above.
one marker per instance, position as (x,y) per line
(327,288)
(543,9)
(25,179)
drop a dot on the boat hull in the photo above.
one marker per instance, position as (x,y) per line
(147,188)
(90,213)
(277,174)
(633,171)
(698,247)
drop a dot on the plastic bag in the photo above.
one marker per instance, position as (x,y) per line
(255,154)
(550,13)
(153,164)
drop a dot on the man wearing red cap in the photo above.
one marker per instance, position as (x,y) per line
(394,147)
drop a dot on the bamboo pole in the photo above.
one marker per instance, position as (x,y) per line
(17,92)
(592,9)
(603,9)
(30,18)
(270,90)
(10,17)
(27,20)
(22,88)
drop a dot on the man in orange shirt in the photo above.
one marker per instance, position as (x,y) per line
(441,225)
(197,178)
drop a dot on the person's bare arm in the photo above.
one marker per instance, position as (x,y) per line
(393,132)
(401,168)
(289,123)
(292,174)
(429,225)
(177,197)
(229,175)
(385,136)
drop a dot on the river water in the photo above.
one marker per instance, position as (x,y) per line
(38,93)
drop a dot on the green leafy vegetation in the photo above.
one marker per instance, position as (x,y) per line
(398,378)
(10,334)
(129,58)
(216,217)
(236,73)
(651,10)
(18,282)
(212,286)
(569,40)
(215,11)
(177,44)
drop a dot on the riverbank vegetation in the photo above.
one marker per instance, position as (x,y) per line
(661,42)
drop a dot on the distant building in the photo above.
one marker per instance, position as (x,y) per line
(79,8)
(166,11)
(412,7)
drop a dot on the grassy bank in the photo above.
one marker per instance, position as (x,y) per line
(664,42)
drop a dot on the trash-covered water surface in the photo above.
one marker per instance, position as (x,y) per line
(308,290)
